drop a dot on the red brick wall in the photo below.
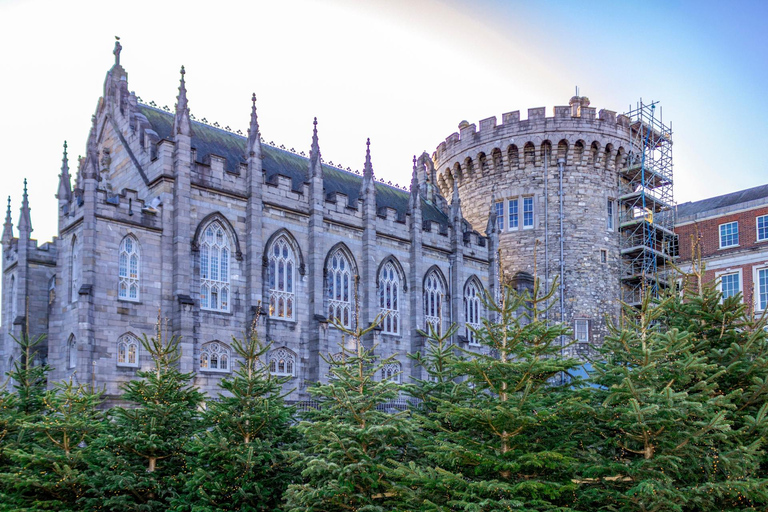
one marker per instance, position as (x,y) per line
(709,234)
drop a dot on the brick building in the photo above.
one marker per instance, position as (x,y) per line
(731,231)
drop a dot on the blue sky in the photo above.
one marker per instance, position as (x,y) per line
(401,72)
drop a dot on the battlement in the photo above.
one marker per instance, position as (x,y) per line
(564,119)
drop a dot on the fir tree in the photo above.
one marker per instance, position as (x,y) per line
(139,463)
(663,438)
(239,462)
(496,441)
(349,441)
(51,466)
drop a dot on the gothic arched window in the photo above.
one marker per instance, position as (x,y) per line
(339,288)
(214,357)
(214,268)
(13,299)
(390,288)
(129,261)
(74,270)
(128,350)
(434,291)
(71,351)
(473,305)
(282,362)
(391,371)
(282,279)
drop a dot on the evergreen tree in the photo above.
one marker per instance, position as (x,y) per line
(139,462)
(349,440)
(661,436)
(495,439)
(240,462)
(50,468)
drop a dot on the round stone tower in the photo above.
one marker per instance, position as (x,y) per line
(554,184)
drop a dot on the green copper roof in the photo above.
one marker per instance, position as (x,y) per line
(208,140)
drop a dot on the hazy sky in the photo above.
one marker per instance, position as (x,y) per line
(403,73)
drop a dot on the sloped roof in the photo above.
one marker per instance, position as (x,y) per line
(740,197)
(208,140)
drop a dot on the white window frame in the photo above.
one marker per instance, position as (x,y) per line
(283,362)
(125,343)
(390,288)
(757,228)
(473,309)
(499,205)
(128,276)
(513,215)
(282,292)
(340,288)
(581,330)
(526,224)
(391,372)
(215,264)
(758,288)
(434,294)
(729,272)
(610,215)
(218,352)
(720,234)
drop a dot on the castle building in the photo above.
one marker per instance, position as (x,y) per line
(583,200)
(218,232)
(213,230)
(728,236)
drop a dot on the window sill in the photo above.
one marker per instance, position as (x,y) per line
(214,372)
(282,319)
(728,247)
(216,311)
(127,365)
(129,301)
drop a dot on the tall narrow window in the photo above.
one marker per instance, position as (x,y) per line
(762,289)
(340,288)
(282,362)
(500,215)
(762,228)
(472,307)
(389,295)
(51,290)
(527,212)
(730,284)
(581,330)
(14,310)
(609,215)
(214,357)
(71,351)
(214,268)
(514,217)
(282,268)
(729,234)
(391,371)
(128,286)
(128,351)
(434,291)
(74,270)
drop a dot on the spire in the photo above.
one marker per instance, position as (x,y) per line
(254,139)
(25,220)
(315,167)
(181,123)
(368,185)
(414,201)
(456,203)
(65,189)
(492,225)
(8,226)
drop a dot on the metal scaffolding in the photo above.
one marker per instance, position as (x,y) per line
(646,205)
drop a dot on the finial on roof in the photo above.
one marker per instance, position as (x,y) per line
(456,202)
(181,123)
(368,186)
(65,187)
(315,166)
(8,226)
(25,220)
(368,167)
(117,50)
(254,138)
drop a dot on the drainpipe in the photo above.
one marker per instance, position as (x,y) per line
(560,165)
